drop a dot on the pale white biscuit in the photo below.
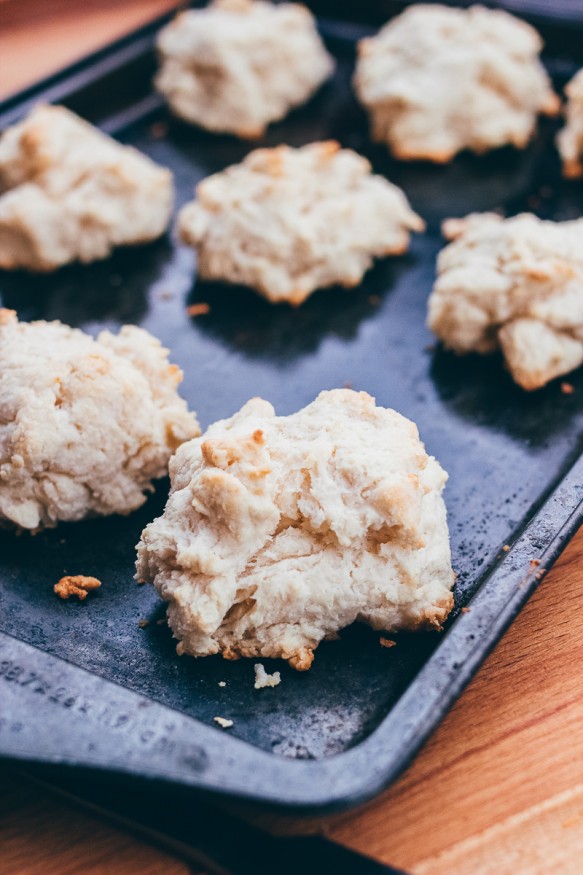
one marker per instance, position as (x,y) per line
(238,65)
(437,80)
(288,221)
(70,193)
(281,530)
(570,138)
(85,425)
(516,285)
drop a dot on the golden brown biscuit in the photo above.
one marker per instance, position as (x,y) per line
(515,285)
(281,530)
(288,221)
(437,80)
(70,193)
(85,424)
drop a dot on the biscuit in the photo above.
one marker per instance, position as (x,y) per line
(85,425)
(570,138)
(71,193)
(437,80)
(515,285)
(288,221)
(281,530)
(238,65)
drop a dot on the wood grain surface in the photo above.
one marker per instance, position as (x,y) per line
(498,790)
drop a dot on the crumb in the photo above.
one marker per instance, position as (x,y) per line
(567,389)
(198,310)
(76,584)
(162,622)
(158,130)
(465,610)
(143,623)
(225,724)
(166,295)
(387,642)
(263,679)
(348,384)
(534,563)
(506,548)
(374,300)
(222,683)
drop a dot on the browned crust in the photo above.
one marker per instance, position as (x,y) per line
(552,107)
(248,133)
(7,316)
(401,153)
(300,659)
(572,169)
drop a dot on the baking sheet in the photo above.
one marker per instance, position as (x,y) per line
(506,451)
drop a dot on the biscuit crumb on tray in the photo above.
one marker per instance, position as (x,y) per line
(77,584)
(223,722)
(387,642)
(198,310)
(263,679)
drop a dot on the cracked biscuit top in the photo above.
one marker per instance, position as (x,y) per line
(238,65)
(85,424)
(516,285)
(437,80)
(68,192)
(281,530)
(288,221)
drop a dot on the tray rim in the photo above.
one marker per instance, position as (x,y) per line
(349,778)
(343,780)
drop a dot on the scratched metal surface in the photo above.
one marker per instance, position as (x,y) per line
(504,450)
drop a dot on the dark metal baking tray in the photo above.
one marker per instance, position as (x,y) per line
(82,684)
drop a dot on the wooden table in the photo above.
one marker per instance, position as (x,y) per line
(499,787)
